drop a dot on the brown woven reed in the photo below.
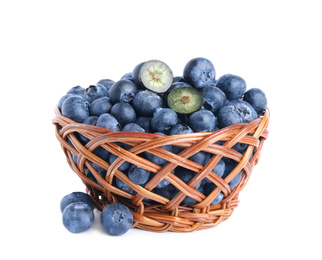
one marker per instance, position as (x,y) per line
(165,214)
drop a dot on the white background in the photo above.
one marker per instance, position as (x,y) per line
(47,47)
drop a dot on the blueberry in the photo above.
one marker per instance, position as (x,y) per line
(186,175)
(76,197)
(124,166)
(146,102)
(101,171)
(123,90)
(77,90)
(123,186)
(155,159)
(76,108)
(145,123)
(249,113)
(229,115)
(78,217)
(96,91)
(100,106)
(138,175)
(178,79)
(169,191)
(116,219)
(133,127)
(124,113)
(219,169)
(136,72)
(233,86)
(202,121)
(208,188)
(155,75)
(214,98)
(180,129)
(190,201)
(199,72)
(200,157)
(162,184)
(91,120)
(107,83)
(62,99)
(109,122)
(257,99)
(128,76)
(229,167)
(184,100)
(164,119)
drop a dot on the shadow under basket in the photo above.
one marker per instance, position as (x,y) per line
(151,210)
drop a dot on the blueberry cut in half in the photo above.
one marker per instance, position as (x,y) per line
(155,75)
(185,100)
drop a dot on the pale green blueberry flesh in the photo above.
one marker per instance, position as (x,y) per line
(185,100)
(156,76)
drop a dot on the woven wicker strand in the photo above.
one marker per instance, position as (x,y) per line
(164,214)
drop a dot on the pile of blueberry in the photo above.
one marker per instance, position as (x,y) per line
(151,99)
(77,209)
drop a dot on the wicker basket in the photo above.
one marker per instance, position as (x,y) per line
(165,214)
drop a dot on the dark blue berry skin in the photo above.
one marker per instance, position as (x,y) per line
(208,188)
(62,99)
(202,121)
(178,79)
(169,191)
(190,201)
(107,83)
(108,121)
(124,113)
(162,184)
(136,72)
(245,108)
(219,169)
(146,102)
(257,99)
(100,106)
(229,115)
(186,175)
(101,171)
(180,129)
(76,197)
(233,86)
(199,72)
(133,127)
(96,91)
(138,175)
(123,90)
(145,123)
(77,90)
(229,166)
(76,108)
(123,186)
(199,157)
(78,217)
(124,166)
(91,120)
(116,219)
(155,159)
(163,120)
(128,76)
(214,98)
